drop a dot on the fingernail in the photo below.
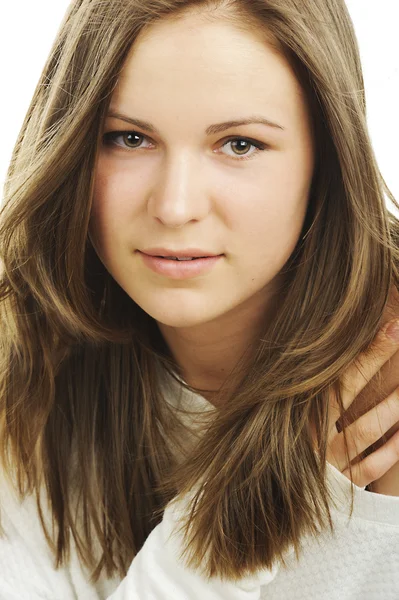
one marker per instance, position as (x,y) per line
(392,330)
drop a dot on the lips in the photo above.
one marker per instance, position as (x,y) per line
(180,269)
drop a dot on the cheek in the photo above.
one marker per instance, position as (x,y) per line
(114,200)
(269,216)
(107,215)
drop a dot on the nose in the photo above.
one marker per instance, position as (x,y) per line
(178,195)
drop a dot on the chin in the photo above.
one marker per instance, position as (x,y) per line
(178,319)
(180,314)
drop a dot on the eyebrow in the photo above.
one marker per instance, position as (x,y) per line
(211,130)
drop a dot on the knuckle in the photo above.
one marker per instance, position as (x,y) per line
(382,343)
(371,469)
(365,433)
(390,331)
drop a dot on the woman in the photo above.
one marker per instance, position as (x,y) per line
(262,333)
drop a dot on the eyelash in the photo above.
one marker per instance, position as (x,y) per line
(109,140)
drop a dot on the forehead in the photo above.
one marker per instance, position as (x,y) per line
(198,65)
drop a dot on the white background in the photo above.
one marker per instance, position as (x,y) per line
(28,28)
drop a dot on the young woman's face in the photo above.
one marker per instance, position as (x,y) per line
(188,182)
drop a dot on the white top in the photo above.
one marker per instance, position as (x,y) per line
(361,562)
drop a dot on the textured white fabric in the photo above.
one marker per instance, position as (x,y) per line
(359,562)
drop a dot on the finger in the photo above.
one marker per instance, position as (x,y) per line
(376,464)
(366,430)
(366,365)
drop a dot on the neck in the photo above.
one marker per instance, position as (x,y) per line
(209,353)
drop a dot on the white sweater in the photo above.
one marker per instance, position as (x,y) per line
(360,562)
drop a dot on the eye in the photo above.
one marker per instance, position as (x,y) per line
(243,144)
(131,140)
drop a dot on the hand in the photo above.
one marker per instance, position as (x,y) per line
(390,371)
(388,484)
(365,430)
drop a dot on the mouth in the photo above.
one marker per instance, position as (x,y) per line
(191,266)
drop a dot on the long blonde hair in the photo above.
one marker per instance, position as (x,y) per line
(79,359)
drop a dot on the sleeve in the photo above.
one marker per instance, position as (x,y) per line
(26,563)
(27,568)
(157,573)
